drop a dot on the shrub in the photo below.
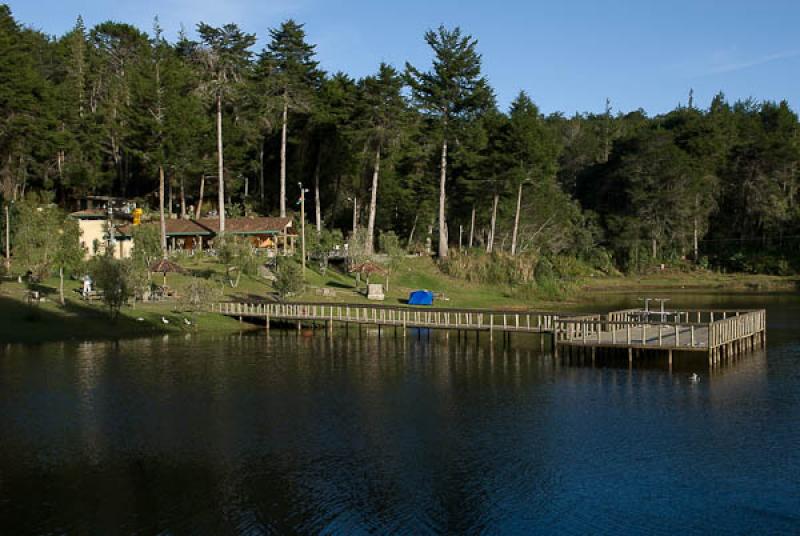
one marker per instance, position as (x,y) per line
(112,277)
(238,257)
(288,278)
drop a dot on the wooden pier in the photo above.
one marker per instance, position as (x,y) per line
(406,317)
(717,333)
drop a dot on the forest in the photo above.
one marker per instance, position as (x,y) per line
(423,151)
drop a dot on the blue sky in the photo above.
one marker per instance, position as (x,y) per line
(569,55)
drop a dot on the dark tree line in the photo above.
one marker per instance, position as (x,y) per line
(423,151)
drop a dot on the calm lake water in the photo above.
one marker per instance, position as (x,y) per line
(254,434)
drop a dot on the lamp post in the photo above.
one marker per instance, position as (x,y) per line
(303,225)
(111,242)
(8,239)
(354,200)
(516,216)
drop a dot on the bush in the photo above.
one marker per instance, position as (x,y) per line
(112,276)
(237,255)
(288,278)
(197,294)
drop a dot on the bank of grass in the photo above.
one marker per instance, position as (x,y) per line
(78,320)
(695,280)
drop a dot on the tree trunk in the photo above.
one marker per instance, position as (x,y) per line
(197,211)
(8,239)
(696,231)
(283,153)
(373,202)
(317,202)
(220,167)
(355,215)
(168,186)
(61,284)
(413,228)
(161,211)
(472,227)
(442,201)
(261,171)
(490,242)
(655,248)
(516,222)
(183,201)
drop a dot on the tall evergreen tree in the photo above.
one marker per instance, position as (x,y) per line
(225,55)
(532,150)
(452,92)
(384,116)
(289,63)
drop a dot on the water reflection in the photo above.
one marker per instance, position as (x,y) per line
(368,432)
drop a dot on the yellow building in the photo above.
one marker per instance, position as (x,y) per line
(93,224)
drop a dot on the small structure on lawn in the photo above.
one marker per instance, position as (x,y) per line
(375,292)
(164,266)
(367,268)
(420,297)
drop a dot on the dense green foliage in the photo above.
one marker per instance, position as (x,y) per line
(113,278)
(99,110)
(288,278)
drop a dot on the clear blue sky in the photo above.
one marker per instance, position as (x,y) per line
(569,55)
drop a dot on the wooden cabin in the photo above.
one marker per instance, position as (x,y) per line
(273,236)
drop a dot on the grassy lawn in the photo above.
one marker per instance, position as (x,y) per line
(78,320)
(705,280)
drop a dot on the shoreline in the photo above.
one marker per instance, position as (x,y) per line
(78,321)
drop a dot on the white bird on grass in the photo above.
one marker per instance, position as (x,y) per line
(140,319)
(187,321)
(164,320)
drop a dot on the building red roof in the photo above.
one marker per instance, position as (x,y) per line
(210,226)
(90,214)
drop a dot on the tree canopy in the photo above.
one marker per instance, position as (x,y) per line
(424,153)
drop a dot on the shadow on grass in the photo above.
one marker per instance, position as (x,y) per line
(338,284)
(204,273)
(249,297)
(75,321)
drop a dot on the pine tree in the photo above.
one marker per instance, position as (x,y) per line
(452,92)
(383,117)
(288,63)
(225,55)
(532,150)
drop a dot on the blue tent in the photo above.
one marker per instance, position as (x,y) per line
(420,297)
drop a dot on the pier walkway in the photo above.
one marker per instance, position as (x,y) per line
(718,333)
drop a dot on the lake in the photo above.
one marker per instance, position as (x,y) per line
(304,433)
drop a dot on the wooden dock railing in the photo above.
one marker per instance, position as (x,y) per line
(716,332)
(691,330)
(523,321)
